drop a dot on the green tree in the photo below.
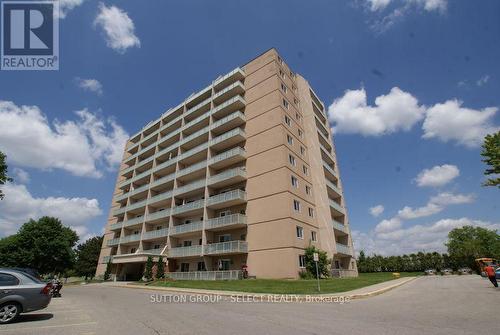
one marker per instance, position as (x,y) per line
(322,263)
(148,271)
(87,257)
(4,178)
(467,243)
(107,272)
(491,154)
(160,268)
(45,245)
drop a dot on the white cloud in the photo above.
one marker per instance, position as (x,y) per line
(65,6)
(80,147)
(400,9)
(428,238)
(118,28)
(92,85)
(396,111)
(376,210)
(19,206)
(436,204)
(483,80)
(449,121)
(437,176)
(21,176)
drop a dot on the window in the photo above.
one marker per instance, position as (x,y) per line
(305,169)
(133,250)
(225,238)
(310,212)
(314,236)
(289,139)
(300,133)
(287,120)
(8,280)
(302,261)
(300,232)
(201,266)
(187,243)
(282,74)
(296,205)
(302,150)
(291,159)
(184,267)
(286,104)
(295,182)
(308,189)
(283,88)
(157,246)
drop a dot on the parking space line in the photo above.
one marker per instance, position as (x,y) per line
(47,327)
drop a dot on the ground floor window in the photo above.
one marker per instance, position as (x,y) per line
(201,266)
(184,267)
(302,261)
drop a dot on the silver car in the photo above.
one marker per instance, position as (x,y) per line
(21,293)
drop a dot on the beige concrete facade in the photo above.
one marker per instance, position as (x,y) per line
(242,174)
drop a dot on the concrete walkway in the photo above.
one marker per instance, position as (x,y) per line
(363,292)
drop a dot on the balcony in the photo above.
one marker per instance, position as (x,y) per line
(159,214)
(228,177)
(152,234)
(336,191)
(337,208)
(330,172)
(228,139)
(194,186)
(231,121)
(186,228)
(160,197)
(188,208)
(106,259)
(229,221)
(227,199)
(116,226)
(229,106)
(132,192)
(343,249)
(130,238)
(197,107)
(236,74)
(340,227)
(192,152)
(163,180)
(229,91)
(185,251)
(224,248)
(197,167)
(133,222)
(228,158)
(206,275)
(151,252)
(113,241)
(130,207)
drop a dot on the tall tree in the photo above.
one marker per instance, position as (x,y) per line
(3,172)
(87,257)
(467,243)
(45,245)
(160,268)
(491,154)
(107,273)
(148,271)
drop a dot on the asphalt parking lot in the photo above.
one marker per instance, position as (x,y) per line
(432,305)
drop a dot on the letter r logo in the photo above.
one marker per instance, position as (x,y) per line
(27,28)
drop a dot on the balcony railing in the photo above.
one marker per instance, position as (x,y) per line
(187,228)
(226,247)
(106,259)
(130,207)
(185,251)
(155,234)
(156,251)
(229,134)
(339,226)
(192,168)
(227,154)
(333,187)
(226,221)
(160,197)
(133,221)
(113,241)
(336,206)
(158,214)
(206,275)
(227,175)
(116,226)
(189,206)
(130,238)
(343,249)
(190,187)
(329,169)
(231,195)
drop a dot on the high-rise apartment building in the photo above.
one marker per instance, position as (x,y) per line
(241,174)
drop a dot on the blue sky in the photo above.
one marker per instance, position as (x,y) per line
(123,63)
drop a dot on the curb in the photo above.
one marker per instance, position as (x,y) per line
(262,296)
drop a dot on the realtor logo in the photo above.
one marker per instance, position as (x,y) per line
(30,35)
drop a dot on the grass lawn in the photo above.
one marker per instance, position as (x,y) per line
(275,286)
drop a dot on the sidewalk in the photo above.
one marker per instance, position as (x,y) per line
(368,291)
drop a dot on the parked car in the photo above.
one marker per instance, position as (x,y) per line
(464,271)
(430,272)
(497,272)
(20,292)
(447,271)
